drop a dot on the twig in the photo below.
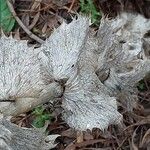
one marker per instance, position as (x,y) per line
(31,35)
(71,5)
(7,100)
(146,84)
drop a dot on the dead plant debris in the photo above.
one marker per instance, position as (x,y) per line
(40,17)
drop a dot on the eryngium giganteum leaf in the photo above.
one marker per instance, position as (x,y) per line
(63,48)
(86,106)
(124,49)
(19,69)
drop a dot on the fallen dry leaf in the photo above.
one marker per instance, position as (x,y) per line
(146,140)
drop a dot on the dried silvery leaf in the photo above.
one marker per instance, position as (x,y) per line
(19,70)
(123,47)
(49,142)
(71,62)
(87,107)
(129,78)
(13,137)
(20,76)
(121,39)
(63,48)
(86,100)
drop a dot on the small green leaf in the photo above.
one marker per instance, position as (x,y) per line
(40,115)
(141,86)
(46,116)
(38,122)
(38,111)
(7,21)
(88,7)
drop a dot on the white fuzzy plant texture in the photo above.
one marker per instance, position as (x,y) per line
(18,65)
(86,101)
(63,48)
(21,84)
(116,51)
(122,49)
(77,61)
(19,72)
(124,52)
(12,137)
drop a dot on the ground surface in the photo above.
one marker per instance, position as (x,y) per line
(41,17)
